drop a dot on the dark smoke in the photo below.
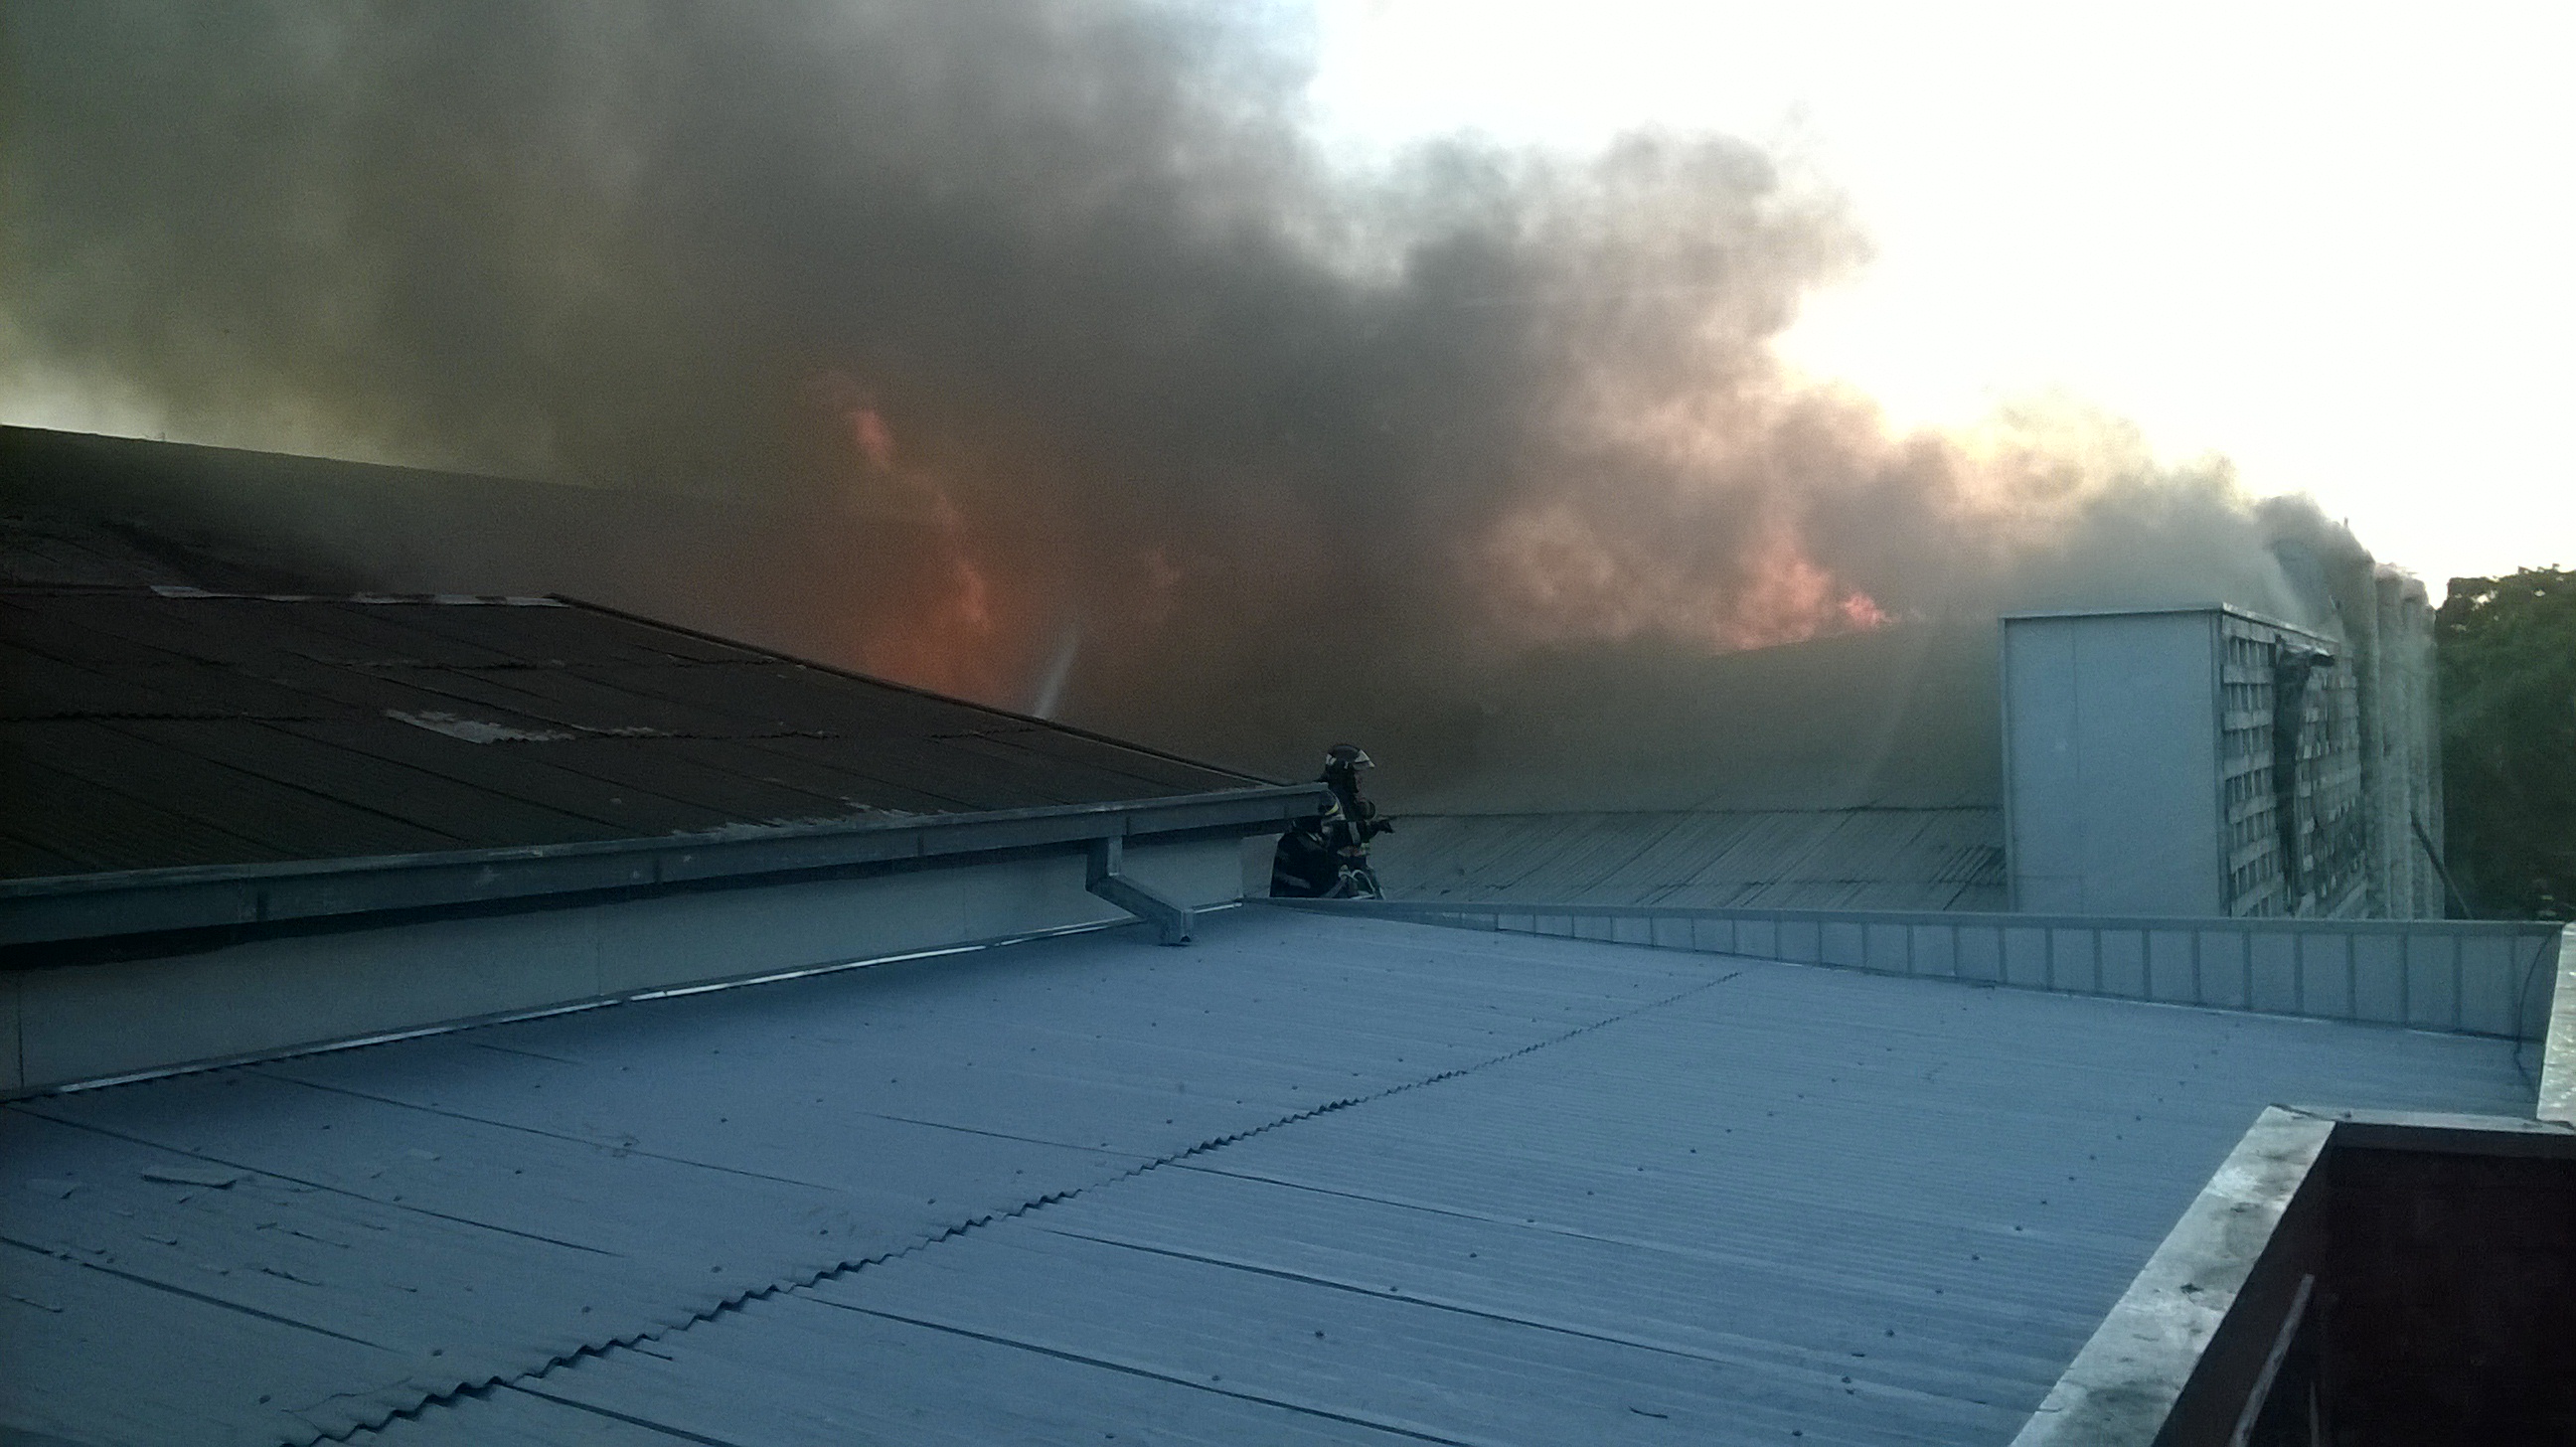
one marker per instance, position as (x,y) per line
(1038,355)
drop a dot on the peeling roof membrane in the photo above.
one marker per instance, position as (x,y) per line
(480,731)
(1317,1179)
(145,728)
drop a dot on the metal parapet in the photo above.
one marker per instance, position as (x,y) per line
(1172,920)
(2464,977)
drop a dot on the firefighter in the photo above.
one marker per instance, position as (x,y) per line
(1325,856)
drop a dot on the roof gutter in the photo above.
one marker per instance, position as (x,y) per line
(65,908)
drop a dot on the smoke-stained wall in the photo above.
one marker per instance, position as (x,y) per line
(1033,352)
(2409,767)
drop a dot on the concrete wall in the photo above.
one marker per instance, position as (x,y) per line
(2462,977)
(2111,764)
(2558,1052)
(2352,588)
(2428,735)
(2390,795)
(2412,738)
(2388,623)
(73,1023)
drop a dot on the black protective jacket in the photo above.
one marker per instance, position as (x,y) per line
(1316,849)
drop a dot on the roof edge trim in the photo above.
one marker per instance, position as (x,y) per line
(64,908)
(2158,610)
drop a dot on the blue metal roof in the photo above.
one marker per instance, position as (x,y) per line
(1874,858)
(1317,1179)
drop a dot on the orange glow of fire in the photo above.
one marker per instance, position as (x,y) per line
(1557,579)
(948,632)
(945,641)
(874,438)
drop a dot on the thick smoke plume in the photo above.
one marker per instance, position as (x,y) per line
(1044,356)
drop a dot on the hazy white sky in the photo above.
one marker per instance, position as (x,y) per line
(2330,241)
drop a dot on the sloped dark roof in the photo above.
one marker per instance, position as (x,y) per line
(143,728)
(55,552)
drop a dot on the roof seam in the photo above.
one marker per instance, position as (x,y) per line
(1740,1357)
(802,1280)
(323,1186)
(179,1291)
(1105,1364)
(641,730)
(261,1068)
(290,786)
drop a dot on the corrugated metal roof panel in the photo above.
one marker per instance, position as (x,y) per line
(578,699)
(1318,1178)
(817,1372)
(67,816)
(248,728)
(791,698)
(1821,858)
(484,801)
(422,772)
(567,636)
(856,778)
(35,620)
(134,758)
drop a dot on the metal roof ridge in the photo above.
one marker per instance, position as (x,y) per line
(511,853)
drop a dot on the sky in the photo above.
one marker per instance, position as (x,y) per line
(2328,242)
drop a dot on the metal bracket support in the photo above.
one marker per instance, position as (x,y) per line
(1171,919)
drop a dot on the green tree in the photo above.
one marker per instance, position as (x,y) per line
(2507,655)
